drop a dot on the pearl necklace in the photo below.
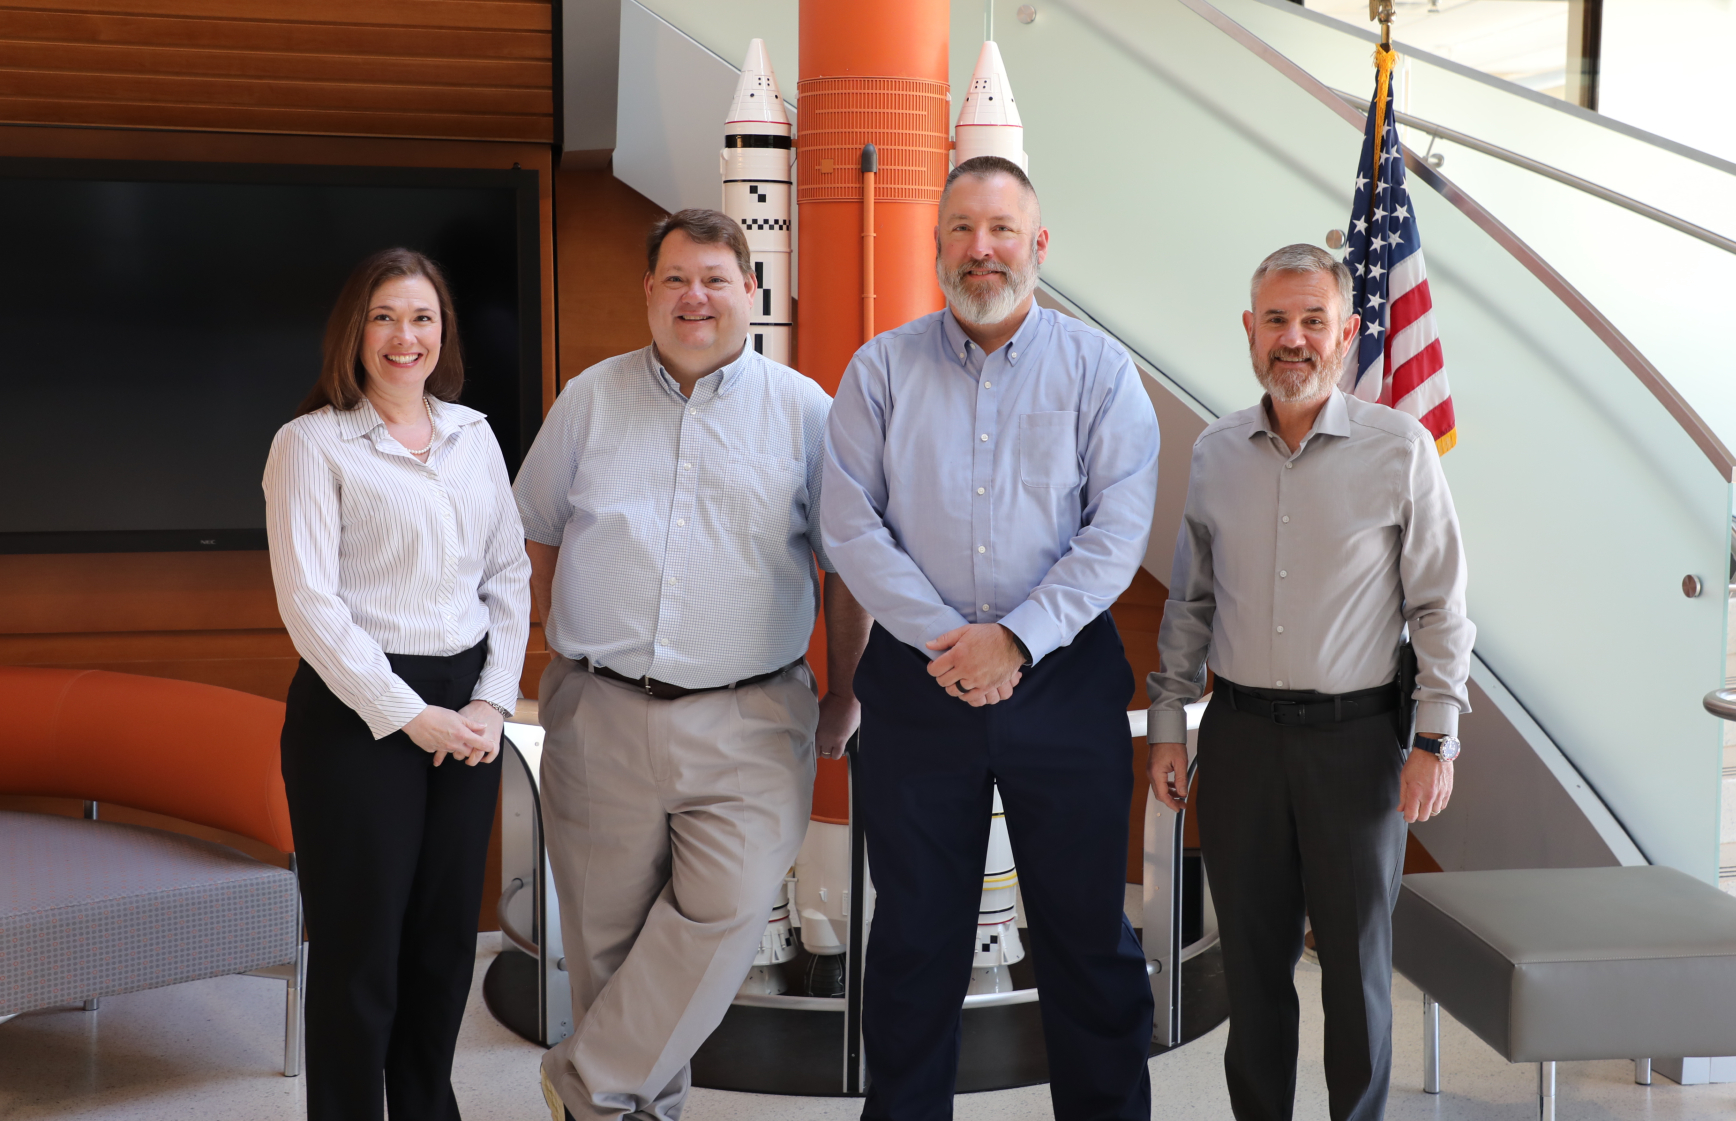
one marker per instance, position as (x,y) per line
(430,410)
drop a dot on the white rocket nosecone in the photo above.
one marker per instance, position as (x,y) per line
(997,944)
(756,168)
(988,124)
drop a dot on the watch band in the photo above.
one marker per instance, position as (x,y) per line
(1024,651)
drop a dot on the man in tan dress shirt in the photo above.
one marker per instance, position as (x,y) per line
(1318,528)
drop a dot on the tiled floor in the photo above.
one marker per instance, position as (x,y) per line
(213,1050)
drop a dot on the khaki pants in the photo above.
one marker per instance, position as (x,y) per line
(670,826)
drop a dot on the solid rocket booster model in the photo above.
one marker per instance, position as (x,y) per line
(988,123)
(997,944)
(756,168)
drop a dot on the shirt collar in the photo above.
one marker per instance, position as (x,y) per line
(364,419)
(730,374)
(957,341)
(1332,420)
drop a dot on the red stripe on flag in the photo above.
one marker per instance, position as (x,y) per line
(1422,366)
(1440,420)
(1408,308)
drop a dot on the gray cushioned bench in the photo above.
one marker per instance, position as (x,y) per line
(1571,963)
(94,908)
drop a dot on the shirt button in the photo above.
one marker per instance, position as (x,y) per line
(988,385)
(980,490)
(1282,574)
(1280,684)
(1280,629)
(1013,354)
(985,607)
(961,356)
(1286,517)
(692,412)
(1287,466)
(984,437)
(689,467)
(981,549)
(680,521)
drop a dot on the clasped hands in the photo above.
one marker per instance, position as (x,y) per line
(979,663)
(472,733)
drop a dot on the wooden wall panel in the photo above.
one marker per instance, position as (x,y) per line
(436,69)
(1138,614)
(600,227)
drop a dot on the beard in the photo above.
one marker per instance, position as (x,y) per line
(991,299)
(1307,384)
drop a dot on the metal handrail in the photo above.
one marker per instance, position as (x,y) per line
(1629,355)
(1662,217)
(1721,703)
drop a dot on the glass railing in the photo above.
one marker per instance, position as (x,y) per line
(1171,157)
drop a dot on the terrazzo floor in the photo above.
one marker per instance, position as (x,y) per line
(214,1050)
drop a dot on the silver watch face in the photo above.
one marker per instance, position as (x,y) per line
(1449,748)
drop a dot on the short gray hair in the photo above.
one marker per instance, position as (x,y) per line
(1303,257)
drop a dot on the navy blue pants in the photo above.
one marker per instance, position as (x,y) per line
(1060,750)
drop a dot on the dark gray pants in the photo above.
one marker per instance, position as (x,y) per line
(1294,820)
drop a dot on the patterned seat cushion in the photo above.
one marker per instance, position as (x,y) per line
(91,908)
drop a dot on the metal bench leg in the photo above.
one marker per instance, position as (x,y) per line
(1642,1072)
(1546,1091)
(292,1029)
(1431,1045)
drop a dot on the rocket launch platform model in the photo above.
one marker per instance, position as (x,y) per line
(755,165)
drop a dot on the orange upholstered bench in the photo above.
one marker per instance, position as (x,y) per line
(91,908)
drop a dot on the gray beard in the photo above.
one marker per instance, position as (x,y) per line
(1316,384)
(990,303)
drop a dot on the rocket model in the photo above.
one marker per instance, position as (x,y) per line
(756,168)
(777,945)
(997,944)
(988,124)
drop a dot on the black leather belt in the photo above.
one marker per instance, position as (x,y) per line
(664,691)
(1293,708)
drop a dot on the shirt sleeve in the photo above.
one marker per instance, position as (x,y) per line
(815,411)
(504,588)
(545,478)
(1432,574)
(880,574)
(1120,489)
(1185,636)
(303,522)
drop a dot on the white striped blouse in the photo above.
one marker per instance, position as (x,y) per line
(372,551)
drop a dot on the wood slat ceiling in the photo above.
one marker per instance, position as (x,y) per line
(436,69)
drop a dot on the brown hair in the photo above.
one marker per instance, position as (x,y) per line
(341,375)
(704,227)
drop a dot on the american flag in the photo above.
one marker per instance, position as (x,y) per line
(1397,358)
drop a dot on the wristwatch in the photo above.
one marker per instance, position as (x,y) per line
(506,713)
(1446,747)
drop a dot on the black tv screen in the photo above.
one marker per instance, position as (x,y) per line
(159,322)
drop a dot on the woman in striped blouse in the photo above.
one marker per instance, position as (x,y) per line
(399,561)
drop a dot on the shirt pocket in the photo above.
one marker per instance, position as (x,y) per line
(761,493)
(1049,450)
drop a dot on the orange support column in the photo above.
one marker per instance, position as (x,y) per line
(871,73)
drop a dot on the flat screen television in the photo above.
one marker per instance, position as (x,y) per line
(160,321)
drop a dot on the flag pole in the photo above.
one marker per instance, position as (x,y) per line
(1384,57)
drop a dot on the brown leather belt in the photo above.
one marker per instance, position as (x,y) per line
(664,691)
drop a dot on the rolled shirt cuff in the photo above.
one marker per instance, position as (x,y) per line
(1035,629)
(1165,725)
(1440,717)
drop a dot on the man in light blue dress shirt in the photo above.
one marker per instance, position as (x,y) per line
(668,513)
(990,476)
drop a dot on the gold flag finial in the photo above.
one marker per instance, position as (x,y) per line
(1382,10)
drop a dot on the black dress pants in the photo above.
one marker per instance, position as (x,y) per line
(391,852)
(1294,820)
(925,778)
